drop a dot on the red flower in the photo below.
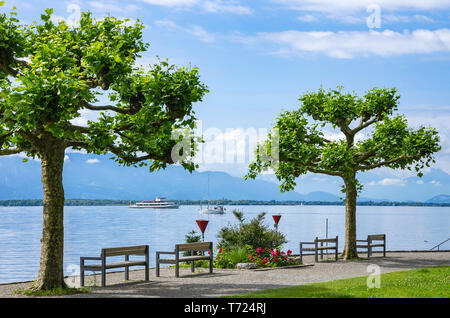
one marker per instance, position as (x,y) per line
(220,250)
(289,252)
(209,252)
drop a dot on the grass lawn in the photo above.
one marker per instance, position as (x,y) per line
(433,282)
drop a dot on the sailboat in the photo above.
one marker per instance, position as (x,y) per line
(218,209)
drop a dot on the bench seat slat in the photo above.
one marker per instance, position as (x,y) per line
(115,265)
(330,240)
(126,250)
(320,248)
(376,245)
(184,259)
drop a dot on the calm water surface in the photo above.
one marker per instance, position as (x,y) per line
(88,229)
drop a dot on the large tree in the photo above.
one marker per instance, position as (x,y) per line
(298,144)
(49,72)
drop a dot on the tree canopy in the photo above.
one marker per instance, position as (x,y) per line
(301,145)
(49,72)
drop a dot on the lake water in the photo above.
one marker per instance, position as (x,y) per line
(88,229)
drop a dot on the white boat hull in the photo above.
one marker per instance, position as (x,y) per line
(153,207)
(211,211)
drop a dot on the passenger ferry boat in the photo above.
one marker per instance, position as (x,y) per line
(158,203)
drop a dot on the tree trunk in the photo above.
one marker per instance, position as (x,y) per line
(350,219)
(51,273)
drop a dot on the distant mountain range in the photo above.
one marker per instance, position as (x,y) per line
(97,177)
(442,198)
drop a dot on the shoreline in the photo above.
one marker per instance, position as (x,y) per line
(110,202)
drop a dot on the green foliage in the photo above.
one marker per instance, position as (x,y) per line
(229,257)
(68,68)
(253,233)
(417,283)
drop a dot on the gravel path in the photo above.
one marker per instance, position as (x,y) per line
(229,282)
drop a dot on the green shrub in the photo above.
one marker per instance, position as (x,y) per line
(228,258)
(253,233)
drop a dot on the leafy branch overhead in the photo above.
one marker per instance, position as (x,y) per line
(390,142)
(50,72)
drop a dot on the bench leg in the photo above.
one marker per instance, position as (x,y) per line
(146,265)
(192,263)
(81,273)
(321,251)
(177,269)
(127,269)
(103,277)
(211,264)
(157,264)
(384,249)
(301,261)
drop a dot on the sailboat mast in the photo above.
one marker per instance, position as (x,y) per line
(208,191)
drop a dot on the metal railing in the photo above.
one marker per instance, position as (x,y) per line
(439,245)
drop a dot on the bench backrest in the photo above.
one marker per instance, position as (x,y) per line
(376,237)
(197,246)
(327,240)
(125,250)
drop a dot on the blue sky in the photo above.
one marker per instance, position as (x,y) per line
(257,57)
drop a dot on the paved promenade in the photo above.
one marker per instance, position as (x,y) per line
(229,282)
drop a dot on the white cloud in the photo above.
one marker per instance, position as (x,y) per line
(171,3)
(66,158)
(92,161)
(112,6)
(351,44)
(221,7)
(388,182)
(194,30)
(334,6)
(213,6)
(435,183)
(308,18)
(393,18)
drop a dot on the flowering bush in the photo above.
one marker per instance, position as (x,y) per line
(264,257)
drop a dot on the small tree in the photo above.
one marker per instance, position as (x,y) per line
(50,72)
(303,147)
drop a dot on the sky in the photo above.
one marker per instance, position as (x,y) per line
(258,57)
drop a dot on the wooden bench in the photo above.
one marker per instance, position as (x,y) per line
(116,251)
(369,245)
(190,247)
(319,248)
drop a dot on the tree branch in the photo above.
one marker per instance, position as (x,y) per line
(107,107)
(363,124)
(381,164)
(12,151)
(331,173)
